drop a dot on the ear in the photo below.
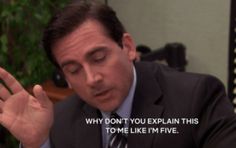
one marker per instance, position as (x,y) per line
(129,46)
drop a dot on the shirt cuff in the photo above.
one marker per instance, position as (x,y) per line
(45,145)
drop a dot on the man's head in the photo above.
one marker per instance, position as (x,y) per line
(73,15)
(90,45)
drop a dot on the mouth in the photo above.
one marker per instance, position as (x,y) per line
(101,93)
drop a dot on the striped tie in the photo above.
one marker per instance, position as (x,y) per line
(117,140)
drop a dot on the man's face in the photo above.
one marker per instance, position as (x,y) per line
(95,66)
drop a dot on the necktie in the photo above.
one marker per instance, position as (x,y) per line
(117,140)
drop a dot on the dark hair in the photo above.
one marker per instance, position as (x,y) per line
(73,15)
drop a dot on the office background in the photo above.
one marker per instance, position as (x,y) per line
(201,25)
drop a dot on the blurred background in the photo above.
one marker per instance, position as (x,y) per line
(22,23)
(201,25)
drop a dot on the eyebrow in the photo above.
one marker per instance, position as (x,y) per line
(67,63)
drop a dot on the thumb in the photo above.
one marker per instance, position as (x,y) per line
(41,96)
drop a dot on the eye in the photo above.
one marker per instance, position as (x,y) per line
(72,69)
(99,56)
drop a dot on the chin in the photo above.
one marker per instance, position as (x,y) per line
(107,109)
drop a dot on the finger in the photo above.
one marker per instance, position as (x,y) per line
(10,81)
(4,93)
(41,96)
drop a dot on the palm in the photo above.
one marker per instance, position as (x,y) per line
(26,117)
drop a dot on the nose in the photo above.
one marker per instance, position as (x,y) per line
(92,76)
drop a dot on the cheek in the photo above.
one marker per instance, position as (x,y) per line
(81,91)
(121,76)
(77,84)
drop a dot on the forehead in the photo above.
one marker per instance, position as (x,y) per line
(89,28)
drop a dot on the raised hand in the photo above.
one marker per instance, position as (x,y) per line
(27,117)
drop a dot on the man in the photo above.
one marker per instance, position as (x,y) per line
(95,53)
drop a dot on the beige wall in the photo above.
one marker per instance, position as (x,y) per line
(202,25)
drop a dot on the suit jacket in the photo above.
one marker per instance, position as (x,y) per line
(160,93)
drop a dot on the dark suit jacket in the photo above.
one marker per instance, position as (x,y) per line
(160,93)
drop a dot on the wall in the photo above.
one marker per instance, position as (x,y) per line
(202,25)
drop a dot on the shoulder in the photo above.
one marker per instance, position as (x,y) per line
(168,77)
(183,93)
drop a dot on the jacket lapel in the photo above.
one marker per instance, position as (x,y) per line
(147,95)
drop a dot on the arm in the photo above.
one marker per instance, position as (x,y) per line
(28,118)
(217,121)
